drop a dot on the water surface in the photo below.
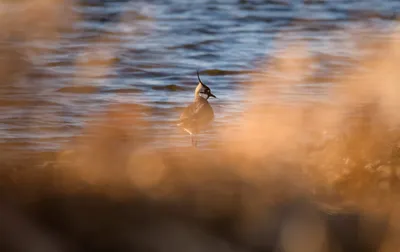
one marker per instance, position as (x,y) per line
(147,53)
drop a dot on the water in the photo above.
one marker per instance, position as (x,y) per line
(147,53)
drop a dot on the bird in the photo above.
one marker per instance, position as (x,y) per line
(199,114)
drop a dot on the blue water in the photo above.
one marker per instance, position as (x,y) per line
(147,53)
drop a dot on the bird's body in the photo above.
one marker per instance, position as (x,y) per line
(196,116)
(199,114)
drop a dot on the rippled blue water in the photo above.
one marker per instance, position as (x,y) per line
(147,53)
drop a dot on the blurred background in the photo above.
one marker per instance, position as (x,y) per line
(302,154)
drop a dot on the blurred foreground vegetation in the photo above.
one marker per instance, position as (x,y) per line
(313,177)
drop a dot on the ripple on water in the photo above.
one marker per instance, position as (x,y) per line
(123,91)
(216,72)
(171,87)
(79,89)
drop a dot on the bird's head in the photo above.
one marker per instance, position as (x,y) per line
(203,90)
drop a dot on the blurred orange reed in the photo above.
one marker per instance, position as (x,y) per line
(341,152)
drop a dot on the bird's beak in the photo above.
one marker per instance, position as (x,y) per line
(212,95)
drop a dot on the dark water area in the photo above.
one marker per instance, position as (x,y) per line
(147,53)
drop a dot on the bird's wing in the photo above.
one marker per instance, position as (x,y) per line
(191,112)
